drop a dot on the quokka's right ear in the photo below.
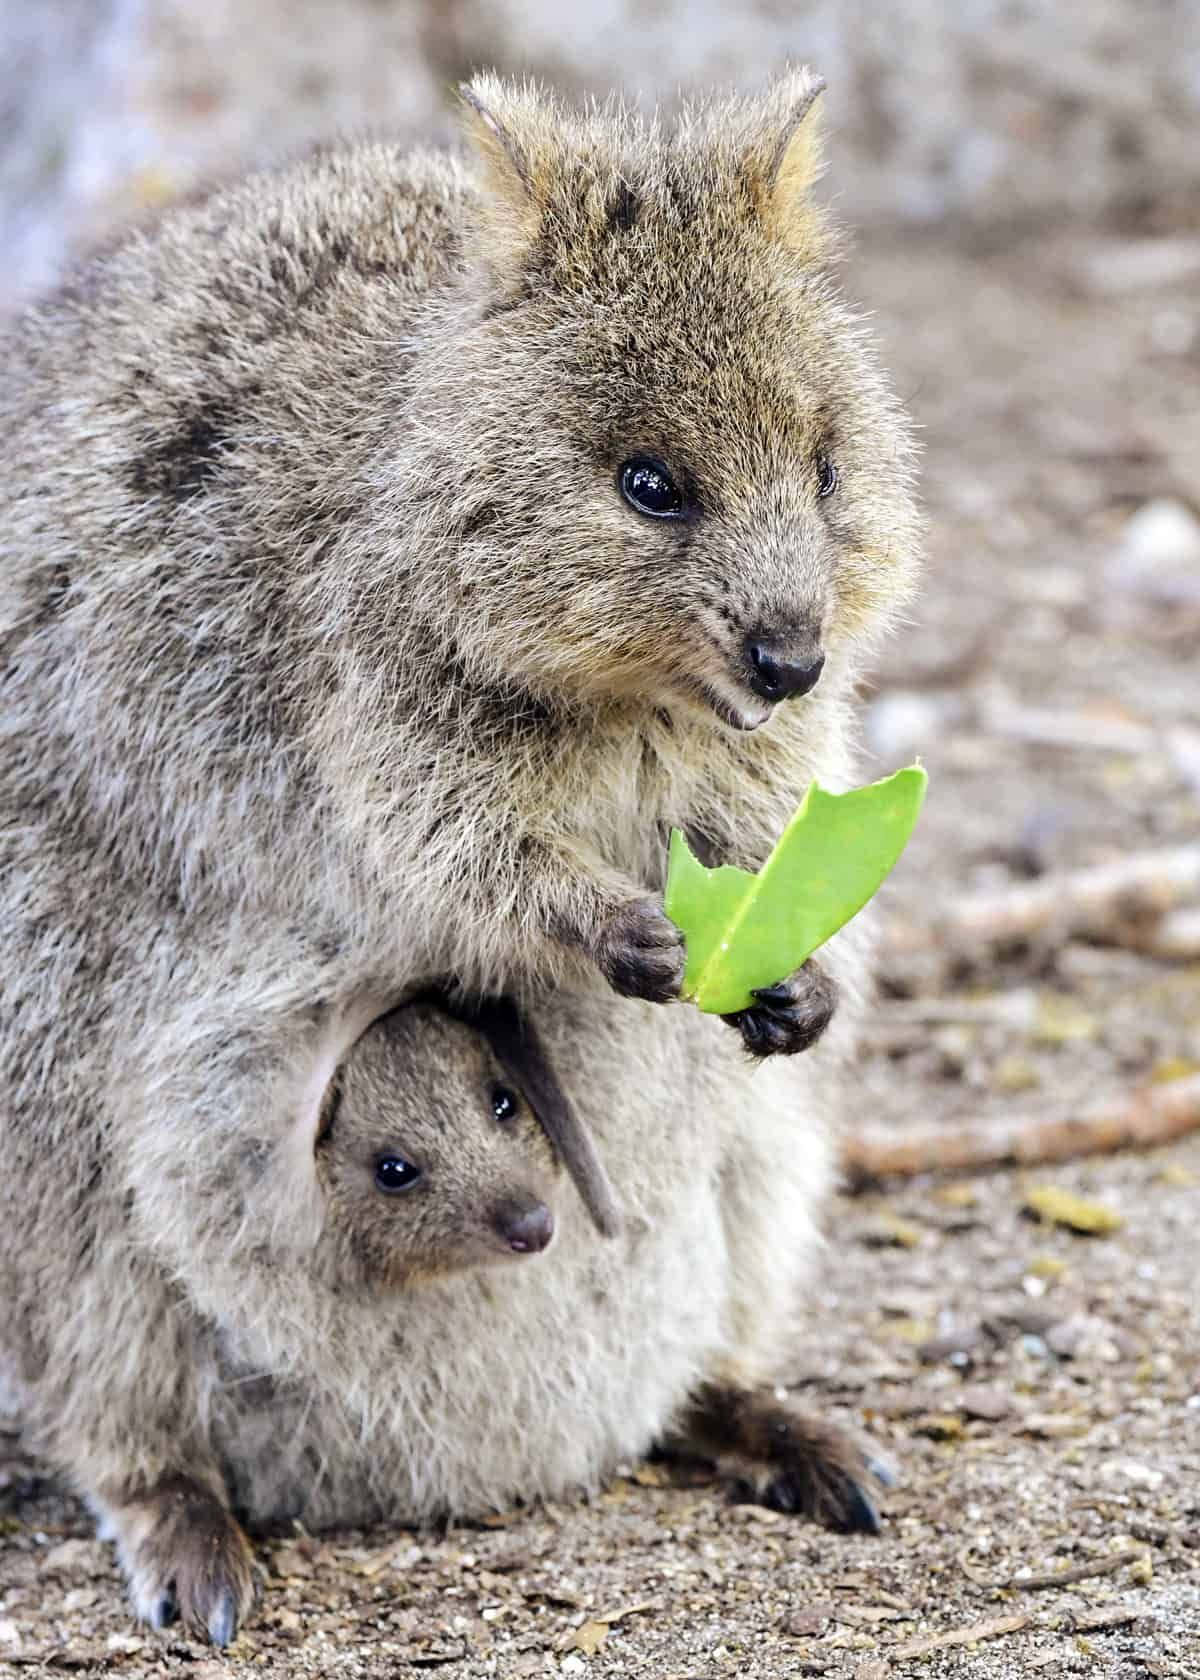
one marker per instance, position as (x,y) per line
(512,131)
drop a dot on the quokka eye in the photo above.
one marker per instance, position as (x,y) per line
(649,488)
(827,477)
(393,1174)
(504,1103)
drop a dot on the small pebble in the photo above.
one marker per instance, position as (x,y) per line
(987,1404)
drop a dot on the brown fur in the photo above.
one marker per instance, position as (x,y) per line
(186,1558)
(332,659)
(791,1461)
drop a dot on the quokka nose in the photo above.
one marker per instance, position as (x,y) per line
(778,672)
(527,1229)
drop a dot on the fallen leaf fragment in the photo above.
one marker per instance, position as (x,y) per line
(1076,1213)
(588,1638)
(1061,1021)
(290,1563)
(939,1426)
(1106,1616)
(433,1656)
(612,1617)
(870,1615)
(992,1629)
(888,1230)
(1052,1426)
(957,1195)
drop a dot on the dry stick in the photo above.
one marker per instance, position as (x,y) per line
(1175,936)
(1156,1114)
(1102,903)
(957,1636)
(1106,1565)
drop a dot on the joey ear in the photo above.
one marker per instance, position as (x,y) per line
(509,131)
(330,1103)
(516,1046)
(787,159)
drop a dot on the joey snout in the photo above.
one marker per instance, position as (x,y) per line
(523,1225)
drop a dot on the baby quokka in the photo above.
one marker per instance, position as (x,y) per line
(429,1157)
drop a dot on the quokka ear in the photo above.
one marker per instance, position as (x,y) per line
(787,159)
(511,131)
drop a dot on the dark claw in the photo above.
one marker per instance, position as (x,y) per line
(789,1016)
(860,1515)
(883,1473)
(845,1507)
(222,1620)
(166,1611)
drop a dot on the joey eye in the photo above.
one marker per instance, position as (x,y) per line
(649,488)
(393,1174)
(827,476)
(504,1103)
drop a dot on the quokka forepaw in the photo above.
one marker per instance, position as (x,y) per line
(788,1017)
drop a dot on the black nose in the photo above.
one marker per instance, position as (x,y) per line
(777,673)
(527,1229)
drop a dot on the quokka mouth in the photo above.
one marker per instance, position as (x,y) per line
(745,718)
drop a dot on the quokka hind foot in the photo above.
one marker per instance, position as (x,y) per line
(185,1559)
(785,1458)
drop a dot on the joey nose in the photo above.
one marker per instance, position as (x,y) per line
(778,672)
(526,1229)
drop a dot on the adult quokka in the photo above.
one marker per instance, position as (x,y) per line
(394,547)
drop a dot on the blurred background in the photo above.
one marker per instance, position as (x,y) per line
(1023,182)
(994,113)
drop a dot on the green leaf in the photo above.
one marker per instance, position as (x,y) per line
(744,931)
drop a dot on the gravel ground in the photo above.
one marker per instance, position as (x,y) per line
(1038,1390)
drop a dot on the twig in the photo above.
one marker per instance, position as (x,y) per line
(1106,1565)
(1175,936)
(1101,903)
(957,1636)
(1039,727)
(1135,1120)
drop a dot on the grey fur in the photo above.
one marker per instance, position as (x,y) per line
(331,660)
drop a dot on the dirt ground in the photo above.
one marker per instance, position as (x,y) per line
(1038,1390)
